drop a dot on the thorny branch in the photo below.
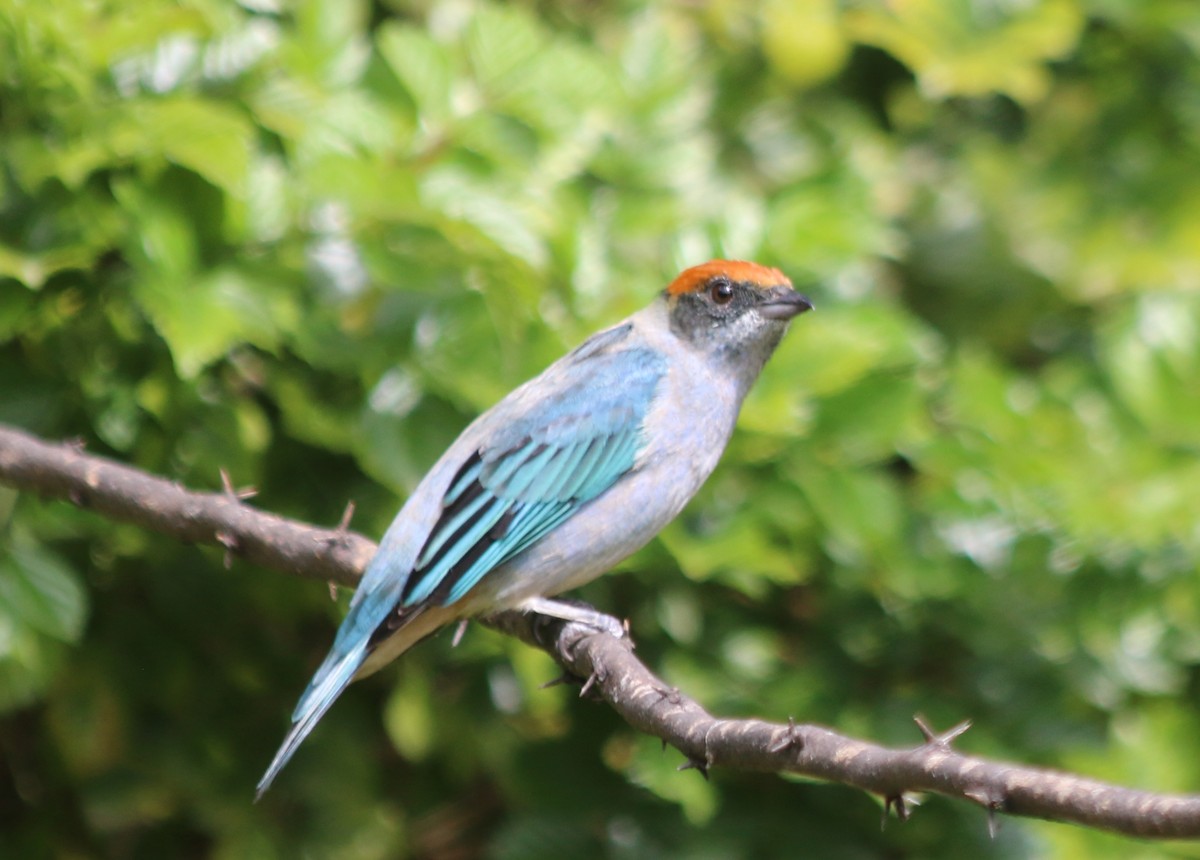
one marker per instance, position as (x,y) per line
(607,662)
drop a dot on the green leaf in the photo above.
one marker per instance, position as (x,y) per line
(33,270)
(166,240)
(42,606)
(15,304)
(372,189)
(208,137)
(502,221)
(203,318)
(1151,354)
(39,592)
(803,41)
(421,64)
(973,49)
(501,40)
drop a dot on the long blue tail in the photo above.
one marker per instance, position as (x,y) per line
(334,676)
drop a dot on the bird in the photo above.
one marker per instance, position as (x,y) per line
(566,476)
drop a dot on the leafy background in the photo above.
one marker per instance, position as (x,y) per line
(307,241)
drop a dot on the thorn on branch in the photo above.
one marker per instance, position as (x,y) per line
(598,674)
(233,494)
(459,631)
(333,590)
(341,532)
(901,806)
(230,542)
(944,739)
(790,738)
(695,764)
(927,731)
(990,801)
(670,695)
(343,525)
(564,678)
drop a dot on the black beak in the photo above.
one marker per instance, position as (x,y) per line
(783,303)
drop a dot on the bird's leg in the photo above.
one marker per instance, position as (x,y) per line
(577,612)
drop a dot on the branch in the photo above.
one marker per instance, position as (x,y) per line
(650,705)
(607,662)
(132,496)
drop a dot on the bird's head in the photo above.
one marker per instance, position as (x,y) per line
(733,309)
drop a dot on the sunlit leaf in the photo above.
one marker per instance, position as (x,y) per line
(38,591)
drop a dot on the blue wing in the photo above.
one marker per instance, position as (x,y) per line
(534,472)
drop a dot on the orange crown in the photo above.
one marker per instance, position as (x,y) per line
(739,271)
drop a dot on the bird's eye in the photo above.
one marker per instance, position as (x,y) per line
(721,291)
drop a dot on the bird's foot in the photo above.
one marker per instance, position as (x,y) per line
(579,613)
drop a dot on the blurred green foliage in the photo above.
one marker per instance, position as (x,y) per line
(307,242)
